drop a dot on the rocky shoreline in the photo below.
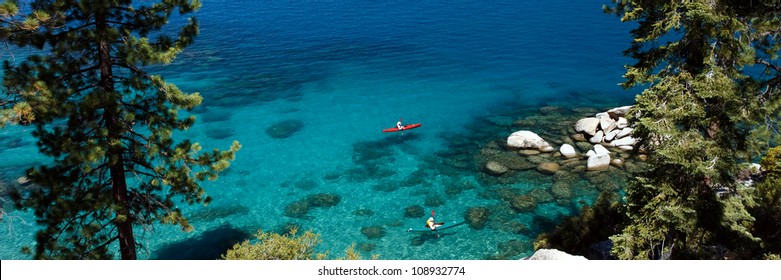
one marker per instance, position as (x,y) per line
(590,145)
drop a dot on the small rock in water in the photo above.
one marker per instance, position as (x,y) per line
(373,232)
(523,203)
(527,152)
(601,150)
(415,211)
(476,217)
(284,129)
(598,162)
(597,137)
(23,181)
(495,168)
(568,151)
(548,167)
(363,212)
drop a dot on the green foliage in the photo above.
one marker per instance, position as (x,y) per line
(706,110)
(273,246)
(594,224)
(768,207)
(105,122)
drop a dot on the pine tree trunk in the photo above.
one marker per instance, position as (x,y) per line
(124,222)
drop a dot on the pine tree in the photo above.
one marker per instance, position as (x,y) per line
(713,77)
(107,124)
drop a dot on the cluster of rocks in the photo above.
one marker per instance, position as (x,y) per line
(608,127)
(592,136)
(299,209)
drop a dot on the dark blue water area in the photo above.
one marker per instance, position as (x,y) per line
(307,87)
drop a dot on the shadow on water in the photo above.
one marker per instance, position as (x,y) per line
(421,238)
(207,246)
(399,138)
(424,235)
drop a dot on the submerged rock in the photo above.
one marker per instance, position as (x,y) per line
(476,217)
(297,209)
(367,246)
(434,201)
(373,232)
(523,203)
(541,195)
(220,133)
(323,200)
(561,190)
(495,168)
(548,167)
(415,211)
(363,212)
(284,129)
(527,152)
(511,248)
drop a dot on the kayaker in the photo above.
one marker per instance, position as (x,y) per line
(399,126)
(431,224)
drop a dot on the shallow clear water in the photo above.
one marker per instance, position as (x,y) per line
(347,70)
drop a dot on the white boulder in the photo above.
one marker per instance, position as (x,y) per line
(598,162)
(615,113)
(568,151)
(597,137)
(525,139)
(547,149)
(611,135)
(553,254)
(600,150)
(587,125)
(625,132)
(607,124)
(23,181)
(627,141)
(622,123)
(626,148)
(590,153)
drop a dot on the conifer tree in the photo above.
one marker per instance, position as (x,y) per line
(713,76)
(106,123)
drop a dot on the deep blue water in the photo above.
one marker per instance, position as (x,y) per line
(345,70)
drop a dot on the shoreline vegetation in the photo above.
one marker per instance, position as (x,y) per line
(676,172)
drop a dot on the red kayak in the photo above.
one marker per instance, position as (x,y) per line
(406,127)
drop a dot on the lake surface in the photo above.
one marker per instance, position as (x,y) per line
(337,73)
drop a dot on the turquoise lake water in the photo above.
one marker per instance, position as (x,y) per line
(345,70)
